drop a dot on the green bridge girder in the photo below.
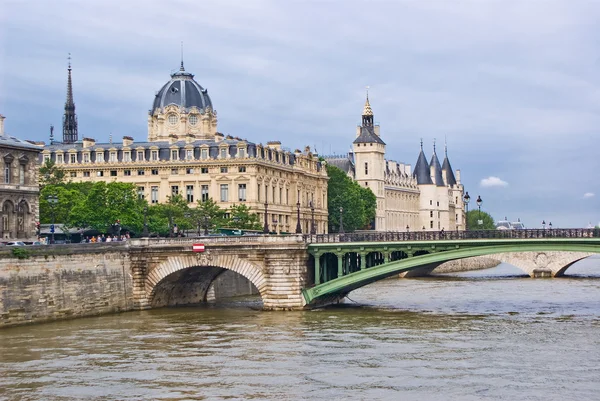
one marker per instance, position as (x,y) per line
(360,263)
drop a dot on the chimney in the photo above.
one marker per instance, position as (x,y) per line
(2,125)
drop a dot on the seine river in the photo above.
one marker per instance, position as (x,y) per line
(487,335)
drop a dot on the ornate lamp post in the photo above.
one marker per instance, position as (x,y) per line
(550,225)
(466,199)
(479,202)
(145,231)
(341,231)
(266,227)
(298,226)
(313,230)
(407,228)
(52,201)
(206,221)
(543,224)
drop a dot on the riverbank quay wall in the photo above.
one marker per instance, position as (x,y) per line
(63,281)
(44,283)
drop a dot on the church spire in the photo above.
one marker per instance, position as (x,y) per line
(69,118)
(181,68)
(367,115)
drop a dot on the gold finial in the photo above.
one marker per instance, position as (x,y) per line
(367,109)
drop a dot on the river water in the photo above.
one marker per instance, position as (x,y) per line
(486,335)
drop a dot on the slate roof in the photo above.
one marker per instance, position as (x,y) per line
(11,141)
(450,179)
(343,163)
(367,135)
(421,172)
(437,170)
(182,90)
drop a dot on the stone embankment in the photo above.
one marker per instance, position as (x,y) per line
(468,264)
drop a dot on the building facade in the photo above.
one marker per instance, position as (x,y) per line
(186,155)
(428,198)
(19,189)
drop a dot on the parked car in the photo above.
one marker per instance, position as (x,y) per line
(15,243)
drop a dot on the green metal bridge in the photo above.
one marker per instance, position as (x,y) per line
(345,262)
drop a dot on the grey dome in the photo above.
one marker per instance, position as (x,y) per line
(182,90)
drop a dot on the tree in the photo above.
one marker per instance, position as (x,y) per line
(51,174)
(68,199)
(208,214)
(241,217)
(105,204)
(473,218)
(359,204)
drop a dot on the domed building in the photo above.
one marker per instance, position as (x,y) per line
(186,155)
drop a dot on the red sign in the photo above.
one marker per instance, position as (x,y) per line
(198,247)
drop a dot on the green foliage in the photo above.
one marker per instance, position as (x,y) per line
(358,203)
(51,174)
(473,218)
(208,214)
(68,199)
(20,252)
(242,217)
(107,203)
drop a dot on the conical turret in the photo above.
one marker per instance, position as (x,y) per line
(447,168)
(422,172)
(436,169)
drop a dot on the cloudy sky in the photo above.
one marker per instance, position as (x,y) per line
(513,85)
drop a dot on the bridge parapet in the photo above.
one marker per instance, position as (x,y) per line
(454,235)
(226,240)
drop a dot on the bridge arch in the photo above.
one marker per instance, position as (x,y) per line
(191,275)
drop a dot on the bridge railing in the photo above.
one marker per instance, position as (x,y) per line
(392,236)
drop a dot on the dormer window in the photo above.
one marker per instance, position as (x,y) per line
(73,158)
(241,152)
(223,153)
(174,154)
(100,157)
(193,120)
(189,154)
(154,155)
(113,157)
(46,158)
(204,153)
(59,159)
(86,157)
(172,119)
(127,156)
(140,155)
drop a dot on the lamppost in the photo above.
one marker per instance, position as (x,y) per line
(550,225)
(341,231)
(479,202)
(206,221)
(467,198)
(543,224)
(266,227)
(298,226)
(145,231)
(407,228)
(52,201)
(312,218)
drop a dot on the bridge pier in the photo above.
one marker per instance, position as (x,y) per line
(541,273)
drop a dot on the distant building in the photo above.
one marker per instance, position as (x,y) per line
(507,225)
(19,189)
(186,155)
(428,198)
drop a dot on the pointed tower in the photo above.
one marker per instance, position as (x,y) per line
(70,118)
(456,206)
(447,169)
(436,169)
(369,156)
(422,172)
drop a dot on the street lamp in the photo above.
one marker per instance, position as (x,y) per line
(550,225)
(298,226)
(479,202)
(407,228)
(543,224)
(467,198)
(341,231)
(52,201)
(312,218)
(266,227)
(206,221)
(145,231)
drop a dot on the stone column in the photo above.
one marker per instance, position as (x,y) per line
(317,269)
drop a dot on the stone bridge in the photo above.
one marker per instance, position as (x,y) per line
(289,272)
